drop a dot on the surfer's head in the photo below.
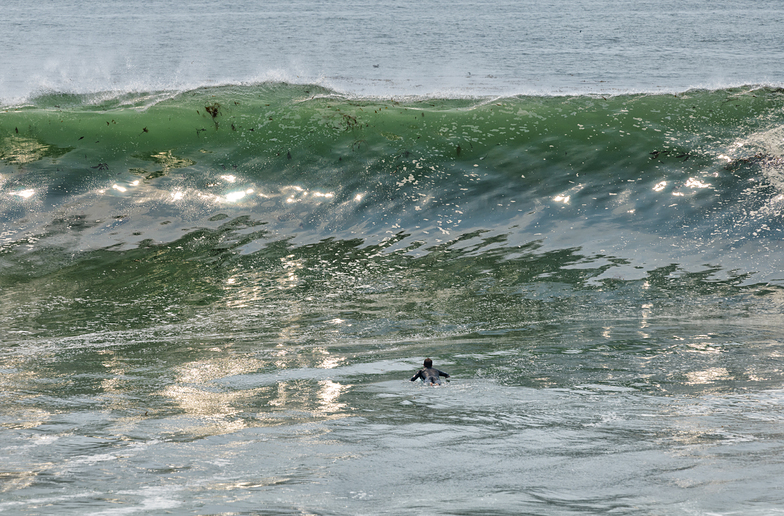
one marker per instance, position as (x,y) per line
(428,363)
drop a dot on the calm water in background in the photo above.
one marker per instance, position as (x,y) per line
(460,48)
(219,314)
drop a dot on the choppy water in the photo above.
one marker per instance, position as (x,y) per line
(213,296)
(465,47)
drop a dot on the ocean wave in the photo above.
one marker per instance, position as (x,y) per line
(646,180)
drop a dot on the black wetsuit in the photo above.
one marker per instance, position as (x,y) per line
(430,375)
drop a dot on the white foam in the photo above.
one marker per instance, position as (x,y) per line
(153,499)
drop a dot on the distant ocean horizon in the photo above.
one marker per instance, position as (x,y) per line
(467,47)
(230,234)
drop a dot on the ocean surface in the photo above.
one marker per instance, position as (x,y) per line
(230,233)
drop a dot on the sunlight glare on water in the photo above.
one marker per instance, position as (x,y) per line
(230,234)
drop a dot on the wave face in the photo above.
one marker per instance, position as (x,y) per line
(398,217)
(212,301)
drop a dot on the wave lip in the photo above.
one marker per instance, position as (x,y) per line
(141,95)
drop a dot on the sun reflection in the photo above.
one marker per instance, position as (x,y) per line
(331,362)
(25,194)
(295,193)
(216,407)
(115,383)
(200,402)
(290,266)
(693,182)
(329,394)
(234,196)
(170,162)
(282,395)
(290,194)
(20,479)
(660,186)
(17,150)
(646,312)
(707,376)
(217,367)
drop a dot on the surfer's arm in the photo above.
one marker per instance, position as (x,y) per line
(441,373)
(417,375)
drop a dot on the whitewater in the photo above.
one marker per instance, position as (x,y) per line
(230,234)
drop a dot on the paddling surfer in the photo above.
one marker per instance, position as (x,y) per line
(428,374)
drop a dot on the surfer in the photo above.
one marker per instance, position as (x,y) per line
(429,374)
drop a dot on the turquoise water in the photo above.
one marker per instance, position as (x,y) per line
(215,284)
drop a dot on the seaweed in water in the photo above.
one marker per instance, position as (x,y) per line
(214,111)
(350,121)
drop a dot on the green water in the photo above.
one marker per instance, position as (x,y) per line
(213,301)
